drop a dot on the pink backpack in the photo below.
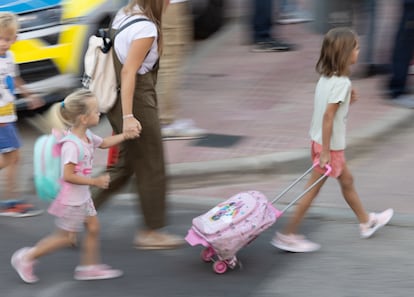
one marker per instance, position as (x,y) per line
(229,225)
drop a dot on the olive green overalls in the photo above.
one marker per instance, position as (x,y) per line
(143,156)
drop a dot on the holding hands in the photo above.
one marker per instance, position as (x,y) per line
(131,127)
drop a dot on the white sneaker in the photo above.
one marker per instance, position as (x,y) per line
(23,267)
(376,221)
(96,272)
(182,129)
(294,243)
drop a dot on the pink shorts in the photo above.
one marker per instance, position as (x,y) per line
(337,160)
(71,218)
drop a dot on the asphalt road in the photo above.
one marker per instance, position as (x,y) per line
(346,266)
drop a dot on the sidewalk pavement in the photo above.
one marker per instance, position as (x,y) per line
(257,107)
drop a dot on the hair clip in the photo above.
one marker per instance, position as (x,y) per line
(62,104)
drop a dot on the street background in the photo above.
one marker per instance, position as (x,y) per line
(256,108)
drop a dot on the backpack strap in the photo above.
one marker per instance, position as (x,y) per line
(129,24)
(74,139)
(113,33)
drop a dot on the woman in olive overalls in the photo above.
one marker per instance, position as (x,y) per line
(136,53)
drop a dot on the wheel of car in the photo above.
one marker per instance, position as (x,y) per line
(208,17)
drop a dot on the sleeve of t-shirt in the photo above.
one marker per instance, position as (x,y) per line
(96,140)
(69,153)
(340,91)
(15,69)
(143,29)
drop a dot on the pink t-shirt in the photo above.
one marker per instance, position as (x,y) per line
(71,194)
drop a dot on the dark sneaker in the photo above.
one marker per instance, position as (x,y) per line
(295,17)
(272,46)
(406,101)
(18,209)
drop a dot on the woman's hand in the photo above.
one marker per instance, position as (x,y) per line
(131,128)
(354,96)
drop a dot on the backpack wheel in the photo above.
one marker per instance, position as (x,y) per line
(207,254)
(220,267)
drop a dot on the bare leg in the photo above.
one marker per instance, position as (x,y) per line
(346,182)
(304,204)
(90,254)
(10,162)
(47,245)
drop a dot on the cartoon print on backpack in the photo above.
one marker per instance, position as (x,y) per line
(228,210)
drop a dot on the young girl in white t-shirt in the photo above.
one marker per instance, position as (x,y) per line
(73,207)
(333,95)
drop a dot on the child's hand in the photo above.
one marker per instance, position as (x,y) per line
(131,134)
(354,96)
(324,159)
(102,181)
(35,102)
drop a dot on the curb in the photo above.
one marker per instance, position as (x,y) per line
(293,161)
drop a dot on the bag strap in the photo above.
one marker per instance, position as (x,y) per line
(109,39)
(113,33)
(74,139)
(127,25)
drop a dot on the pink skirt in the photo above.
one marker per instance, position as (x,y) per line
(71,218)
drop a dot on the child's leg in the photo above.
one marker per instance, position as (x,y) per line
(304,204)
(60,239)
(346,181)
(90,254)
(23,259)
(10,162)
(91,268)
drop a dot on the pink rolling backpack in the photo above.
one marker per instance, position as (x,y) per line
(236,222)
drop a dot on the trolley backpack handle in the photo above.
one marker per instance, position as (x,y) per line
(328,170)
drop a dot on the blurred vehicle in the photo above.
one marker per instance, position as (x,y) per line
(51,42)
(54,34)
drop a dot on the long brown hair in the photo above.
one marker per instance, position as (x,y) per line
(336,51)
(152,9)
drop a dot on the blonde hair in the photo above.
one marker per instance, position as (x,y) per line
(153,10)
(8,22)
(336,51)
(74,105)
